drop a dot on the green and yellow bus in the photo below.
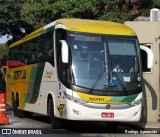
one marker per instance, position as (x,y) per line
(66,70)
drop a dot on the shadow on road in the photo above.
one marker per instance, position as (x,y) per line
(90,127)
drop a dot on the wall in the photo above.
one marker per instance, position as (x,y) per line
(149,33)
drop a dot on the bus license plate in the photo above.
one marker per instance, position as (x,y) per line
(107,115)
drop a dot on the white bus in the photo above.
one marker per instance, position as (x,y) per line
(77,69)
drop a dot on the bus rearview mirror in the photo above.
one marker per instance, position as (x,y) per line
(150,56)
(64,51)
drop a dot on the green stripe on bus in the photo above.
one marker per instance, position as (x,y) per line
(33,75)
(35,82)
(117,99)
(127,99)
(130,98)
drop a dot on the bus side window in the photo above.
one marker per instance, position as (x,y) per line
(40,44)
(49,48)
(26,53)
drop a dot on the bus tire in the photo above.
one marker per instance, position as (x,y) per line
(28,114)
(55,123)
(112,127)
(14,108)
(17,112)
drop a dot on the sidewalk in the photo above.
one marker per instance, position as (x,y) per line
(149,125)
(152,125)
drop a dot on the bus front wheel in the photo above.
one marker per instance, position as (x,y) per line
(112,127)
(55,123)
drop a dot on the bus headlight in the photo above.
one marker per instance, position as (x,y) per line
(74,99)
(135,103)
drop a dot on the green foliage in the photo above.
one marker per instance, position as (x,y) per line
(119,10)
(3,54)
(20,17)
(8,15)
(3,50)
(42,12)
(156,3)
(72,8)
(10,20)
(36,13)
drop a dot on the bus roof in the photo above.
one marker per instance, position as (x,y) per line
(95,26)
(82,25)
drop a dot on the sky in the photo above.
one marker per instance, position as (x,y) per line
(3,39)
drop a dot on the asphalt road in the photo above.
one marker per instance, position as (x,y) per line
(40,125)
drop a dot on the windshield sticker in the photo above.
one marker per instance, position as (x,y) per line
(127,79)
(139,78)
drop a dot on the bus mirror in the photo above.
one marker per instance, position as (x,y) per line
(64,51)
(150,56)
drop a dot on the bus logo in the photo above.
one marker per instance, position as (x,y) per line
(96,99)
(49,74)
(19,74)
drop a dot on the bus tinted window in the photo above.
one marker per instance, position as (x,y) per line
(36,50)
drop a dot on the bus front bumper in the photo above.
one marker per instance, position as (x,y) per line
(74,111)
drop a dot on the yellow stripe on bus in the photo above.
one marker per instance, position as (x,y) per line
(93,98)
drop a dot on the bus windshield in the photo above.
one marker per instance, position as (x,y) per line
(104,62)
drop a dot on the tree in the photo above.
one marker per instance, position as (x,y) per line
(156,3)
(10,20)
(3,54)
(38,13)
(19,17)
(119,10)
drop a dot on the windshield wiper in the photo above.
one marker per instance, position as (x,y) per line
(97,80)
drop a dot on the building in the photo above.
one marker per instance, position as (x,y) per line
(149,35)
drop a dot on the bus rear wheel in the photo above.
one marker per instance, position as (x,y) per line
(15,105)
(14,108)
(55,123)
